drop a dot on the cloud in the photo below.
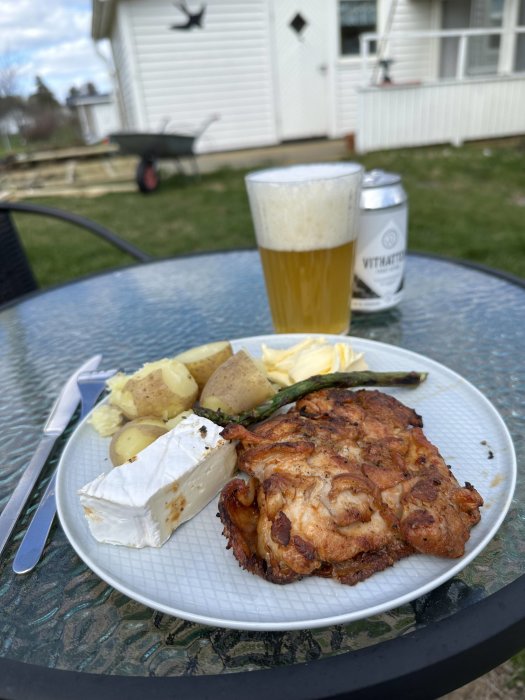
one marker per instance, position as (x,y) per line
(51,39)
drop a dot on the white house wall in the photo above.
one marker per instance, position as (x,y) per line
(223,69)
(177,79)
(123,59)
(348,78)
(413,60)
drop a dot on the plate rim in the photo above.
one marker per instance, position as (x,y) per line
(312,623)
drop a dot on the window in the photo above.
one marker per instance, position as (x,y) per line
(483,51)
(519,59)
(495,20)
(356,17)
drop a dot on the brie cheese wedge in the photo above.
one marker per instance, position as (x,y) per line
(141,503)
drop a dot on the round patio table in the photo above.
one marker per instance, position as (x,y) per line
(65,633)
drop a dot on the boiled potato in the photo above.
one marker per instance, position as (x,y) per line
(162,389)
(172,422)
(151,420)
(118,397)
(203,360)
(106,419)
(237,385)
(131,439)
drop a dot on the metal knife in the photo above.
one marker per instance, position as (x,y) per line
(57,422)
(35,538)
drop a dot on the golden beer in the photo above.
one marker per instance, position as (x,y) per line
(309,290)
(306,219)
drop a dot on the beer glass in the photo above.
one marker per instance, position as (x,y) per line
(306,221)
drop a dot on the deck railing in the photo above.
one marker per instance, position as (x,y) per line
(386,48)
(424,104)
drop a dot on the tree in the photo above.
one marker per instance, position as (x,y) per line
(8,75)
(90,89)
(45,113)
(73,92)
(12,106)
(43,97)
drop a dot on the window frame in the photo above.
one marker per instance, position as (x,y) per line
(366,29)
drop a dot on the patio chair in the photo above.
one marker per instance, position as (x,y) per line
(16,274)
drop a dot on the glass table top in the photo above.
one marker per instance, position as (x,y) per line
(62,615)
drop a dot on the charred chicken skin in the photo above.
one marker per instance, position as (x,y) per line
(343,485)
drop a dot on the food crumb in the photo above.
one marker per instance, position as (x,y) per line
(490,454)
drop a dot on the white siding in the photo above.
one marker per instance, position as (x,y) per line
(122,59)
(413,60)
(445,112)
(347,82)
(223,68)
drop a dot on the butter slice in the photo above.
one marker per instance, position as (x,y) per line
(141,503)
(310,357)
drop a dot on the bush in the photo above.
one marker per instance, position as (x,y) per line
(43,125)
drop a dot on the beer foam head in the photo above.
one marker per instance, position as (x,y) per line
(305,207)
(305,173)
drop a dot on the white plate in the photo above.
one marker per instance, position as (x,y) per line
(194,577)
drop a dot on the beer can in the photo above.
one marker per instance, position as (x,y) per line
(381,243)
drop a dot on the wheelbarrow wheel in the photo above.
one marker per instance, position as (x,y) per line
(147,176)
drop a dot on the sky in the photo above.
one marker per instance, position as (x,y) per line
(51,39)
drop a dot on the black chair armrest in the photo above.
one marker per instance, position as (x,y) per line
(81,221)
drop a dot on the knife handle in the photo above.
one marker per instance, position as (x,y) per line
(35,538)
(23,489)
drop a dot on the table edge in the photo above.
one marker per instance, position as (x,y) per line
(458,649)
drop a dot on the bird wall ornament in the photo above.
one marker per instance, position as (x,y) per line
(194,19)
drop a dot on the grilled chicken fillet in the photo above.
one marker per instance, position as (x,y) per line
(342,486)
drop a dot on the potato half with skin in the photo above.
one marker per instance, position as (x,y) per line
(203,360)
(150,420)
(237,385)
(131,439)
(162,389)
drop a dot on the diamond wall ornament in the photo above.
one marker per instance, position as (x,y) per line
(298,23)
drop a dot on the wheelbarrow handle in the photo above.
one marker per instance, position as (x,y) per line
(212,118)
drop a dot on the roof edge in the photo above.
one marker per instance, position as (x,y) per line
(102,18)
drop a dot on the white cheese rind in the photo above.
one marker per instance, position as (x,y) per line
(141,503)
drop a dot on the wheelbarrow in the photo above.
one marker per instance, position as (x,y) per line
(152,147)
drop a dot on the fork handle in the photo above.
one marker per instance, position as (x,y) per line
(32,546)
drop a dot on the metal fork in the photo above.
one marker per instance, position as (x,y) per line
(90,385)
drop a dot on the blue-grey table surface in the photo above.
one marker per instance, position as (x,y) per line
(62,615)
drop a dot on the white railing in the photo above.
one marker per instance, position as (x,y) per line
(421,108)
(385,43)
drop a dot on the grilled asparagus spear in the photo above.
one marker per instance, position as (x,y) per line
(320,381)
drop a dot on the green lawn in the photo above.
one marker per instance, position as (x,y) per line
(467,203)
